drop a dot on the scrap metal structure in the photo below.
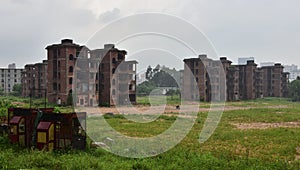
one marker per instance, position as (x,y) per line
(45,129)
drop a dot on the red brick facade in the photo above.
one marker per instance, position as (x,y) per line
(98,81)
(243,82)
(34,80)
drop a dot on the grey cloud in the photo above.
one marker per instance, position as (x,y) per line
(268,30)
(25,32)
(109,15)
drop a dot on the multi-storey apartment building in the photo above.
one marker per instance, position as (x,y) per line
(102,76)
(243,82)
(249,81)
(9,77)
(116,77)
(34,80)
(205,75)
(232,80)
(274,81)
(61,63)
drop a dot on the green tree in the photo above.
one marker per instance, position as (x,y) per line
(294,89)
(149,73)
(145,88)
(156,69)
(17,90)
(164,79)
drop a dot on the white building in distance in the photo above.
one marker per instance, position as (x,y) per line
(9,77)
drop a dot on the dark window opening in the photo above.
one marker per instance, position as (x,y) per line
(71,69)
(71,57)
(70,80)
(120,57)
(54,86)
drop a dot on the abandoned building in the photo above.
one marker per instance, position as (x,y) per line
(243,82)
(105,78)
(102,76)
(34,80)
(202,74)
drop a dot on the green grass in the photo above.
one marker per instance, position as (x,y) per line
(157,100)
(227,148)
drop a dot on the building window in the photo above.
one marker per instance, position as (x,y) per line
(70,80)
(70,91)
(54,86)
(113,82)
(113,92)
(114,60)
(113,70)
(120,56)
(71,57)
(101,77)
(71,69)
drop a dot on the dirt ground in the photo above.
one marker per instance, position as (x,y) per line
(261,125)
(141,109)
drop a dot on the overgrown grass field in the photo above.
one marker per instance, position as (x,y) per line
(228,148)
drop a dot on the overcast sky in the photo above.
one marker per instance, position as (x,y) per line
(268,30)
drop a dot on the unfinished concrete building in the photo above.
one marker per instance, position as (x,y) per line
(249,81)
(232,80)
(274,81)
(103,77)
(202,74)
(34,80)
(243,82)
(61,63)
(116,77)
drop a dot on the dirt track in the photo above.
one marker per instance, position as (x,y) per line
(140,109)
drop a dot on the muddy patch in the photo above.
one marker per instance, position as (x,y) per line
(261,125)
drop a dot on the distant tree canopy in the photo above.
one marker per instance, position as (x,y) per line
(294,89)
(159,77)
(17,90)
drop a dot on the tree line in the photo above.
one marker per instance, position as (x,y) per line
(159,77)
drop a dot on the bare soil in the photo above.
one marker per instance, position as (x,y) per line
(262,125)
